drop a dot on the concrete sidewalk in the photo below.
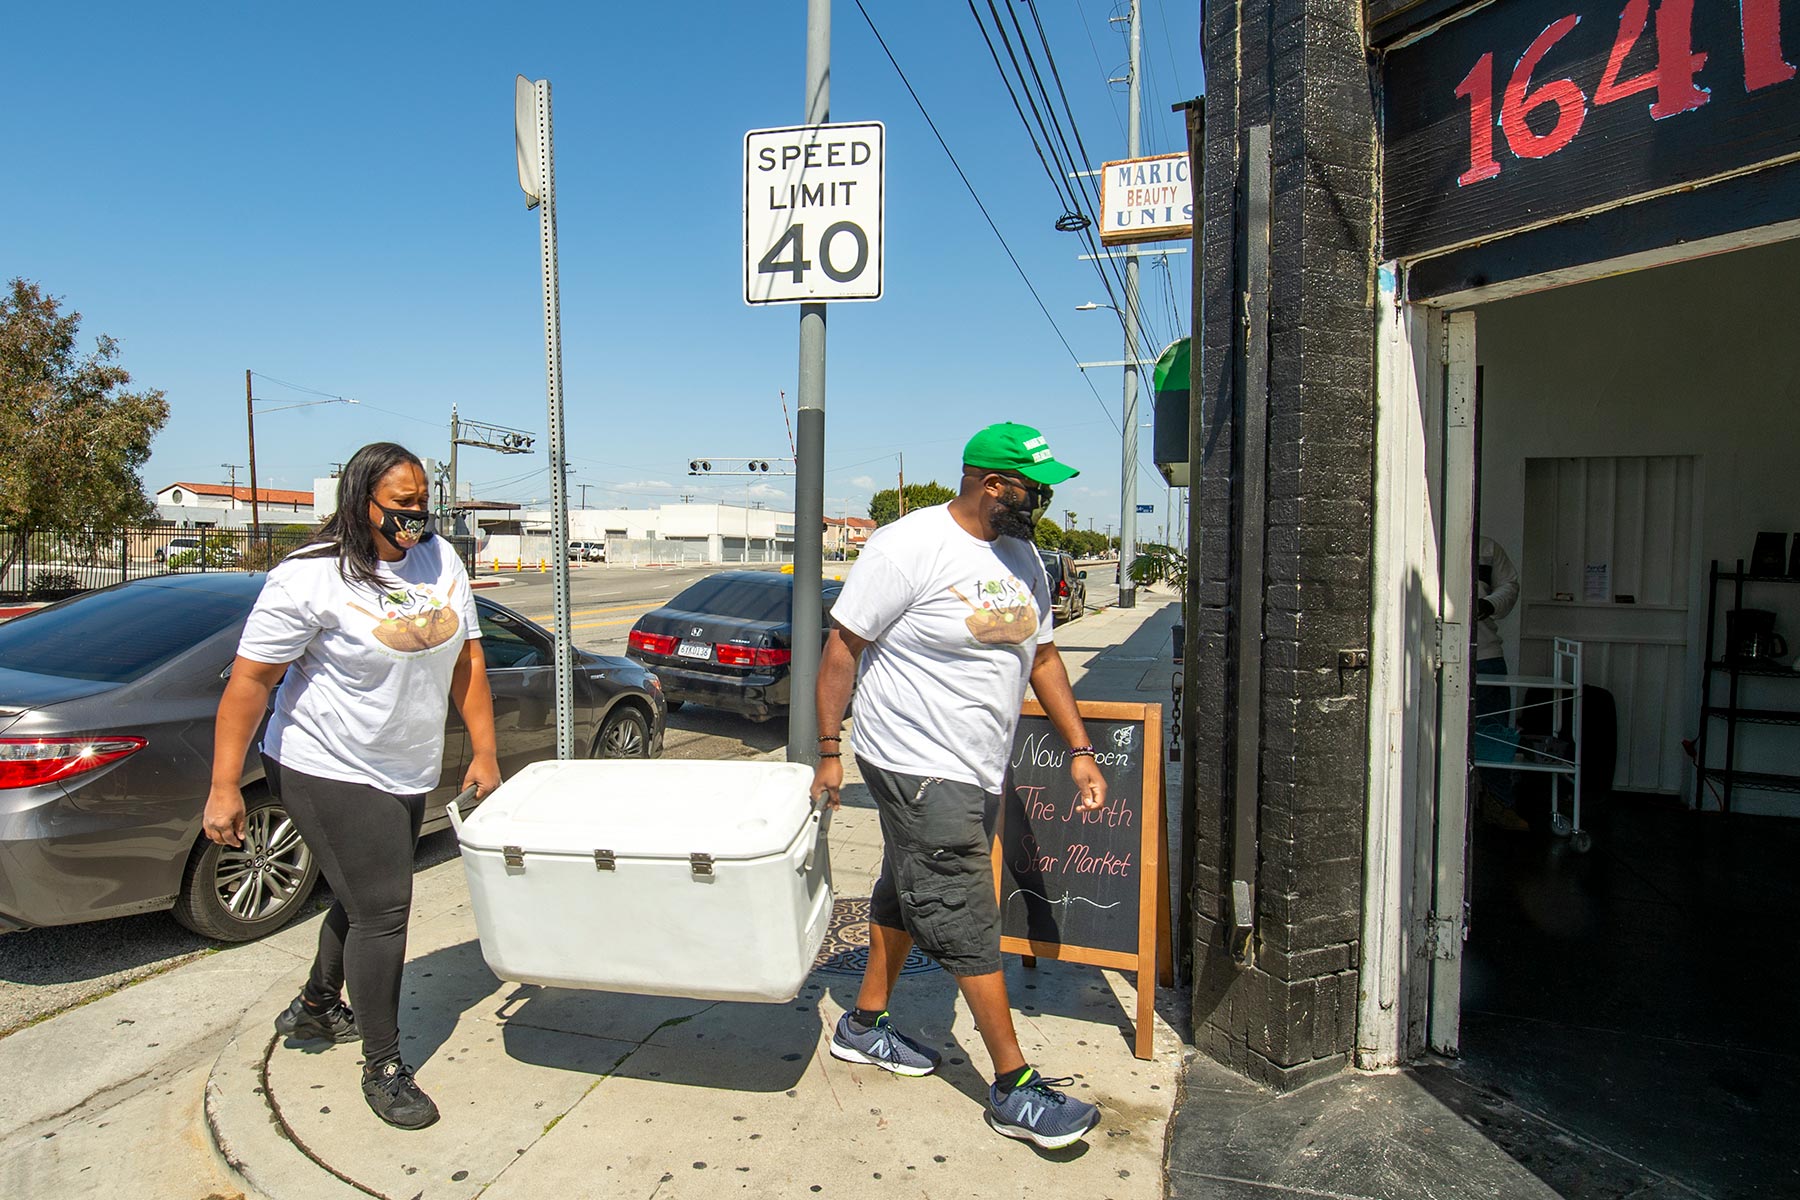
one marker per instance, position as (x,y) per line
(549,1092)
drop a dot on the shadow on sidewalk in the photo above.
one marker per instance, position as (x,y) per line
(722,1045)
(697,1043)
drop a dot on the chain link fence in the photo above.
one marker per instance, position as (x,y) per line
(49,565)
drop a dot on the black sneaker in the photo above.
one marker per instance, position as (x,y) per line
(395,1098)
(335,1024)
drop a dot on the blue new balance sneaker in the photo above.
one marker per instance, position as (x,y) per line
(1035,1111)
(882,1046)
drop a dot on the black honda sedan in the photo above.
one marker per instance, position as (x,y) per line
(726,642)
(107,703)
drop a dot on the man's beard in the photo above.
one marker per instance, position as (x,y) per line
(1014,522)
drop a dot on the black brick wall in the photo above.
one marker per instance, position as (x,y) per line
(1299,66)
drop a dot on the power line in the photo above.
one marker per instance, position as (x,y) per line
(1162,14)
(1111,102)
(1142,336)
(976,196)
(1062,171)
(335,396)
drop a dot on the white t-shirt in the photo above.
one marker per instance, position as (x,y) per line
(366,697)
(955,624)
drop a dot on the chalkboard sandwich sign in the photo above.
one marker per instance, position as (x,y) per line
(1088,887)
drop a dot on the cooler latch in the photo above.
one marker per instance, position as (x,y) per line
(603,861)
(515,855)
(701,865)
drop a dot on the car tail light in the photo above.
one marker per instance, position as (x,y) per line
(653,643)
(750,656)
(28,762)
(1062,587)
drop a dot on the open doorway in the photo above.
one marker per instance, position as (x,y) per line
(1634,431)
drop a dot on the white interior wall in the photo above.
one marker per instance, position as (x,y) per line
(1695,358)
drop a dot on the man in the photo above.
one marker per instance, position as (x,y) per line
(949,610)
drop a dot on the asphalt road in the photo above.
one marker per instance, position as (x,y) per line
(44,971)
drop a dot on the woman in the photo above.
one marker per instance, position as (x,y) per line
(374,628)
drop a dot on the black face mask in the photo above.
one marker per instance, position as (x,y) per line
(1019,519)
(405,527)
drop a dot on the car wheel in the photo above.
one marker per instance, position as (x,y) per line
(236,893)
(625,734)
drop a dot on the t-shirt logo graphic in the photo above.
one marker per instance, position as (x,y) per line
(413,619)
(1004,613)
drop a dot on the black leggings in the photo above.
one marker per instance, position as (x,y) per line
(364,839)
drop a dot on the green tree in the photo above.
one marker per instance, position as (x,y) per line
(885,506)
(1083,543)
(72,441)
(1049,535)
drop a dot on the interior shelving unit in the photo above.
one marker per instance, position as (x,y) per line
(1731,714)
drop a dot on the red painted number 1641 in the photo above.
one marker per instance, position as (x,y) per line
(1672,79)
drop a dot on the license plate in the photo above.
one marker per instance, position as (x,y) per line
(694,650)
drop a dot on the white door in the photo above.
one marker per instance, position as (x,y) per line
(1609,560)
(1415,873)
(1449,911)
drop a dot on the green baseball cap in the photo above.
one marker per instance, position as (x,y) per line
(1013,447)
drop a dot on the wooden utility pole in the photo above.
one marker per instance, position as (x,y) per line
(902,485)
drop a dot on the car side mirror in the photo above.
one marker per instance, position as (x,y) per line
(1084,574)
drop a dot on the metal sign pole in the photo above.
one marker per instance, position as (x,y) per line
(545,195)
(1128,466)
(809,481)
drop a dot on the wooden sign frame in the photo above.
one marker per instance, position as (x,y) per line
(1154,957)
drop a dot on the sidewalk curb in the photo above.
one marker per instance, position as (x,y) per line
(247,1133)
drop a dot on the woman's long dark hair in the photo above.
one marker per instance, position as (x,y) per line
(347,531)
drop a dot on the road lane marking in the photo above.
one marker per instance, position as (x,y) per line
(540,618)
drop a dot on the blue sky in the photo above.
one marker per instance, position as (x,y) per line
(326,194)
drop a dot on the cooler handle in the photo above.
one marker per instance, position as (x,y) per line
(453,810)
(821,818)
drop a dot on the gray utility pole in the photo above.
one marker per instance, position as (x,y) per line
(234,468)
(250,419)
(809,482)
(1129,457)
(455,441)
(537,175)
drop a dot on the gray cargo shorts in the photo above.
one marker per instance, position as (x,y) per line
(937,880)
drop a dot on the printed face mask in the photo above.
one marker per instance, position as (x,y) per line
(405,526)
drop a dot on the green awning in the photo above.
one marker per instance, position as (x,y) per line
(1171,374)
(1169,442)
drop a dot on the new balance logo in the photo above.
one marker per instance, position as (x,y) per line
(1031,1114)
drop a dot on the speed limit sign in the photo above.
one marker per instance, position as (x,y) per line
(813,203)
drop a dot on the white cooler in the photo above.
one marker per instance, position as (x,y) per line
(660,877)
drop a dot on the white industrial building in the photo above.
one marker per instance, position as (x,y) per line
(672,533)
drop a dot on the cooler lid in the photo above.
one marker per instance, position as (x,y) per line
(659,808)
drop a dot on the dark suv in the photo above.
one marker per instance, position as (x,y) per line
(1068,586)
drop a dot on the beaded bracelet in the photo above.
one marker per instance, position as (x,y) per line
(832,755)
(1087,750)
(829,737)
